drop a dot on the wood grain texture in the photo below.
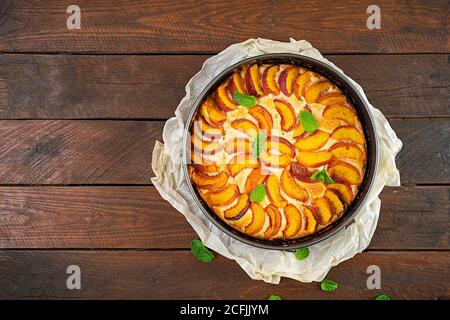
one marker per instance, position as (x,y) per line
(205,26)
(99,87)
(178,275)
(119,152)
(137,217)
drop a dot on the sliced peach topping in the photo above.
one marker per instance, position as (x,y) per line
(222,99)
(253,81)
(238,145)
(313,141)
(349,133)
(291,188)
(286,80)
(205,147)
(293,221)
(275,221)
(333,197)
(236,83)
(205,181)
(263,117)
(207,130)
(310,222)
(314,159)
(269,82)
(259,217)
(301,83)
(212,113)
(239,209)
(240,162)
(254,178)
(332,98)
(222,197)
(281,144)
(301,173)
(325,211)
(299,130)
(315,90)
(345,171)
(287,114)
(340,111)
(273,159)
(246,126)
(347,150)
(273,192)
(343,189)
(207,168)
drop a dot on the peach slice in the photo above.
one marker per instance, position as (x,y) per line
(263,117)
(301,173)
(275,221)
(205,147)
(299,130)
(291,188)
(253,81)
(315,90)
(313,141)
(273,192)
(314,159)
(223,101)
(293,221)
(349,133)
(238,145)
(269,82)
(259,218)
(212,113)
(207,130)
(333,197)
(246,126)
(287,114)
(239,209)
(310,222)
(301,83)
(286,80)
(345,171)
(325,211)
(332,98)
(339,111)
(347,150)
(222,197)
(343,189)
(254,178)
(236,83)
(281,144)
(275,160)
(206,168)
(204,181)
(239,163)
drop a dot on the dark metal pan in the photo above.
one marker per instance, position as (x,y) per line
(369,131)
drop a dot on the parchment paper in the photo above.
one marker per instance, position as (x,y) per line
(260,264)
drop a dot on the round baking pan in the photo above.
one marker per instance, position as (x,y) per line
(371,149)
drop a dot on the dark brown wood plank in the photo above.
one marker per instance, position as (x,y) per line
(163,26)
(178,275)
(137,217)
(88,87)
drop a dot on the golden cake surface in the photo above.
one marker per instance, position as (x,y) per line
(277,151)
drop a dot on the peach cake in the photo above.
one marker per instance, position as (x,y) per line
(277,151)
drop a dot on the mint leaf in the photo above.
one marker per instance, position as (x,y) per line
(244,100)
(201,252)
(316,175)
(258,194)
(258,144)
(383,297)
(328,178)
(308,121)
(302,253)
(274,297)
(328,285)
(322,175)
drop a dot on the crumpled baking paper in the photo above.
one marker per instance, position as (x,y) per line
(262,264)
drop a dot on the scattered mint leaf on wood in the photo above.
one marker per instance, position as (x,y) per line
(244,100)
(328,285)
(258,144)
(201,252)
(308,121)
(322,175)
(383,297)
(274,297)
(258,193)
(302,253)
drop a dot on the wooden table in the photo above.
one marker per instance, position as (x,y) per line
(81,109)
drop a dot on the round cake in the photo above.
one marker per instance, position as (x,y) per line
(277,151)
